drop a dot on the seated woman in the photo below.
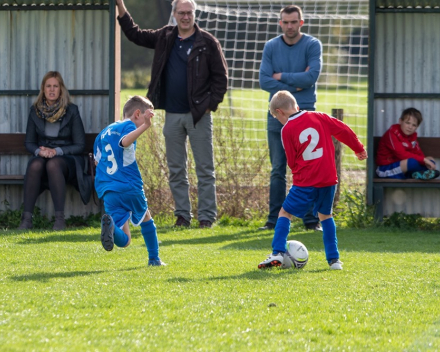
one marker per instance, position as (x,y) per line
(55,137)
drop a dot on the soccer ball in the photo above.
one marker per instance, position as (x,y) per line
(297,254)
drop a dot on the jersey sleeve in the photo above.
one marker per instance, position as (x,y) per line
(97,148)
(343,133)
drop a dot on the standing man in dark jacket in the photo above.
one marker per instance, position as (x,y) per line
(188,80)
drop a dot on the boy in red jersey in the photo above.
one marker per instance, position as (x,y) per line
(307,141)
(399,155)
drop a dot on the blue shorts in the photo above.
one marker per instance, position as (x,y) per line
(124,206)
(300,199)
(391,171)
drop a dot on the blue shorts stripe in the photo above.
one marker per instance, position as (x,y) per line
(390,171)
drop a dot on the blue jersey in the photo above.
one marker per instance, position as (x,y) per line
(117,169)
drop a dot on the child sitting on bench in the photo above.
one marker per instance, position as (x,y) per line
(399,155)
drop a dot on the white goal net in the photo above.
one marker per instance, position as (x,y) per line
(243,27)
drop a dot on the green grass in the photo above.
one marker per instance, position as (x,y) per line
(63,292)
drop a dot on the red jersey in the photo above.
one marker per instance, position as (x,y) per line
(307,140)
(396,146)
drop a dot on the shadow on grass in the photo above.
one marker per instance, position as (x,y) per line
(44,277)
(61,237)
(257,274)
(378,241)
(215,238)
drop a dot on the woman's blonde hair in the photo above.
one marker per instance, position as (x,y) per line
(64,94)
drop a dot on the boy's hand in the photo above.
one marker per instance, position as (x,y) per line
(429,163)
(362,156)
(149,114)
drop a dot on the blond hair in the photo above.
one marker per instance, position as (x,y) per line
(136,103)
(283,100)
(64,93)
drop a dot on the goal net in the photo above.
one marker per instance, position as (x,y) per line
(243,27)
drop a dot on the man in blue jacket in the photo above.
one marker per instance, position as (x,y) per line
(292,62)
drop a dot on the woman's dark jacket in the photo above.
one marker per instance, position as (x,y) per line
(71,139)
(207,70)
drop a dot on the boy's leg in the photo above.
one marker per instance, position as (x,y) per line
(420,172)
(112,235)
(148,230)
(330,240)
(297,203)
(282,229)
(115,215)
(325,206)
(122,239)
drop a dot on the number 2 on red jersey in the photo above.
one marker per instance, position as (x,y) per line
(310,153)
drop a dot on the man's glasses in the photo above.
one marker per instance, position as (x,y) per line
(183,14)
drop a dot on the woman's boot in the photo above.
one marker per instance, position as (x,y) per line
(26,221)
(60,223)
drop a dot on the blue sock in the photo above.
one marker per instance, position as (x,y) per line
(121,238)
(148,230)
(413,166)
(330,240)
(282,229)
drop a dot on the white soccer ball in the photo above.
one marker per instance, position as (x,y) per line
(297,254)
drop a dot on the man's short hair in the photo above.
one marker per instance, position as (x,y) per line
(290,9)
(412,112)
(135,103)
(175,2)
(282,100)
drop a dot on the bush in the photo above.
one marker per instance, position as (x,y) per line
(135,79)
(352,210)
(236,189)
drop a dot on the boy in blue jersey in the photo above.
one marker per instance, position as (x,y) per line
(118,180)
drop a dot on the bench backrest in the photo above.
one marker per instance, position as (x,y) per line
(13,143)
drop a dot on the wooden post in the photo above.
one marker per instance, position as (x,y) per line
(339,114)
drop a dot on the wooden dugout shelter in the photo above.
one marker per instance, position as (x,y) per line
(404,71)
(80,40)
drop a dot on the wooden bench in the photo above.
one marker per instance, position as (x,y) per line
(430,147)
(13,144)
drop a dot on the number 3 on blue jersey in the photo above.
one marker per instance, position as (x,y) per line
(309,152)
(111,158)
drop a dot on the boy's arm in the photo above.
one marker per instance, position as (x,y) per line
(96,150)
(396,147)
(133,135)
(343,133)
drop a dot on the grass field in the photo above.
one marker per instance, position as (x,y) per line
(63,292)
